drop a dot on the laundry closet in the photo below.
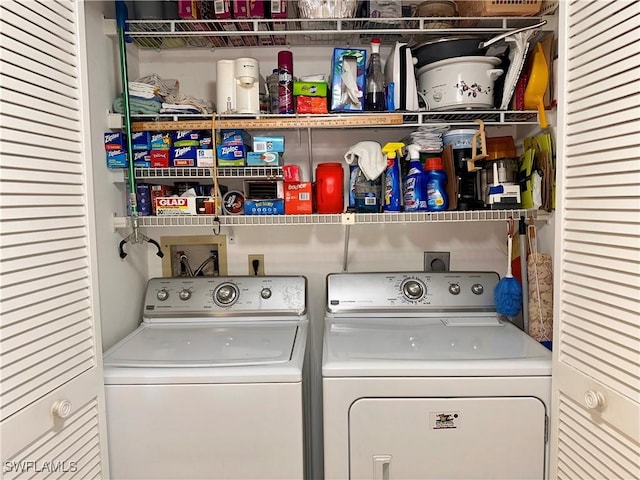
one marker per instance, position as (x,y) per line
(70,296)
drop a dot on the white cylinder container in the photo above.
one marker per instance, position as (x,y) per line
(459,83)
(225,86)
(247,79)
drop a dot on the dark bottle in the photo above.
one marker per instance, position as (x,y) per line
(375,99)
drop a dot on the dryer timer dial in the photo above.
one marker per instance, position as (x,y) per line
(413,289)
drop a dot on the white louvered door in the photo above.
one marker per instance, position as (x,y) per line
(596,402)
(51,393)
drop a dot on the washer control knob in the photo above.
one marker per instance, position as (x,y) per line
(185,294)
(226,294)
(593,400)
(61,409)
(162,295)
(454,289)
(413,289)
(265,293)
(477,288)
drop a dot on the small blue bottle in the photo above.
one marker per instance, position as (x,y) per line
(437,199)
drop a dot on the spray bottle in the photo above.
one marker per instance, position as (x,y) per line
(414,189)
(392,190)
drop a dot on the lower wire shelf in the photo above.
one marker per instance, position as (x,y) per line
(330,219)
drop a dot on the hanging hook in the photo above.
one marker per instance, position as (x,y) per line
(216,225)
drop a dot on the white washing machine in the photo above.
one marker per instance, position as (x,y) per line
(210,385)
(423,380)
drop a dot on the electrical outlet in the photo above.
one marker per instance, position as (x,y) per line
(436,261)
(256,264)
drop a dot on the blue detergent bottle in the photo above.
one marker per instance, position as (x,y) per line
(414,189)
(436,181)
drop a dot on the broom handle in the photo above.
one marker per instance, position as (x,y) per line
(509,247)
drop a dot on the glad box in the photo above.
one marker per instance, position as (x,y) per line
(298,198)
(176,206)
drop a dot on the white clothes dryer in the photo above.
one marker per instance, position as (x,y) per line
(210,384)
(423,380)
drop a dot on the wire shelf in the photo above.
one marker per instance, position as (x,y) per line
(200,172)
(453,216)
(169,34)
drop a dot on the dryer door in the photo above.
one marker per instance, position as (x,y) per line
(434,438)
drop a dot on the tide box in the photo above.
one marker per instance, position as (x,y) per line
(356,58)
(274,143)
(298,198)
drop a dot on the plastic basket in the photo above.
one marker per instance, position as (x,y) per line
(498,8)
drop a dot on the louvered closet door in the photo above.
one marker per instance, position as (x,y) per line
(51,382)
(596,411)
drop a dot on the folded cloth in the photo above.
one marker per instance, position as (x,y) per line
(137,106)
(142,90)
(370,158)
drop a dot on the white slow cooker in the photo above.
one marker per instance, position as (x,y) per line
(459,83)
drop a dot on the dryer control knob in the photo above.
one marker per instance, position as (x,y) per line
(477,288)
(454,289)
(413,289)
(265,293)
(162,295)
(185,294)
(226,294)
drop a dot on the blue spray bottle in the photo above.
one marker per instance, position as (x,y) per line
(392,191)
(414,188)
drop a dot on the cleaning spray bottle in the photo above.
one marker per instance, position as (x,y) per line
(392,190)
(414,190)
(436,180)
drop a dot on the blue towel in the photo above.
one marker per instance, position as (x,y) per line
(137,106)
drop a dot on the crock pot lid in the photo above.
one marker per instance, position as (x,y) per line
(495,61)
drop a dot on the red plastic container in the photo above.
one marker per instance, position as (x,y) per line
(329,188)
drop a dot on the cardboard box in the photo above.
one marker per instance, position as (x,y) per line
(204,157)
(141,141)
(310,89)
(114,141)
(273,143)
(264,159)
(354,60)
(183,206)
(183,156)
(160,159)
(234,137)
(186,138)
(273,206)
(160,140)
(231,155)
(158,191)
(117,159)
(298,198)
(142,159)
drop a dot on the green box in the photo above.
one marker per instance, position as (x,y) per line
(310,89)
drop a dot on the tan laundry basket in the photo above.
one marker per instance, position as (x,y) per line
(540,280)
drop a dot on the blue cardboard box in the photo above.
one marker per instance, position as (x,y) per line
(114,141)
(184,156)
(141,141)
(234,137)
(117,159)
(160,140)
(352,62)
(273,206)
(186,138)
(142,159)
(271,143)
(231,155)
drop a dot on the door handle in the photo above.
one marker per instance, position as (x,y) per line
(381,464)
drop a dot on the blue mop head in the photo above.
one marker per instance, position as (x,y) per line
(508,296)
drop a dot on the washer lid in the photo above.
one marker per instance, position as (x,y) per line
(204,346)
(452,346)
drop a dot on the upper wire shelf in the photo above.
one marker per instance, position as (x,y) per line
(167,34)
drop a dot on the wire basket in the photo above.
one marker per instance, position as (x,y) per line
(498,8)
